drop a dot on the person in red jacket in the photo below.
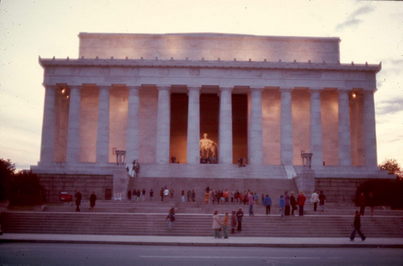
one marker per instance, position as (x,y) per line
(301,202)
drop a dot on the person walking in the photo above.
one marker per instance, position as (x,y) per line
(281,204)
(170,218)
(293,203)
(233,222)
(225,225)
(239,216)
(216,225)
(267,203)
(301,202)
(78,197)
(315,200)
(357,227)
(93,199)
(322,199)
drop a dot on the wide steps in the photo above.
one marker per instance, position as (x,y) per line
(194,225)
(201,207)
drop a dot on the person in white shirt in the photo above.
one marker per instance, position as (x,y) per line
(315,200)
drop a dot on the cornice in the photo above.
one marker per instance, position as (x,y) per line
(206,35)
(214,64)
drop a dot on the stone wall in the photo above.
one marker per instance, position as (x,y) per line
(339,189)
(209,46)
(86,184)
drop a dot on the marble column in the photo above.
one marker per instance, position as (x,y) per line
(193,130)
(132,133)
(316,129)
(163,125)
(255,137)
(286,142)
(73,131)
(344,129)
(48,126)
(103,125)
(370,149)
(225,127)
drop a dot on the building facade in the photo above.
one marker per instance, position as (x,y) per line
(152,97)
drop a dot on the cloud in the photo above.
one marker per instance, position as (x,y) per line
(390,106)
(392,66)
(353,19)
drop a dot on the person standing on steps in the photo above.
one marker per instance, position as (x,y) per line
(233,222)
(78,200)
(151,194)
(267,203)
(315,200)
(162,194)
(357,227)
(216,225)
(239,216)
(225,225)
(166,193)
(170,218)
(281,204)
(251,202)
(287,204)
(322,199)
(301,202)
(93,199)
(293,203)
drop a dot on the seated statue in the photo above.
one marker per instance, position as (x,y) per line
(207,149)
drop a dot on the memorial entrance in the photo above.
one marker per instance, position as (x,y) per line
(209,127)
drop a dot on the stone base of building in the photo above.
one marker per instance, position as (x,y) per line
(111,181)
(53,184)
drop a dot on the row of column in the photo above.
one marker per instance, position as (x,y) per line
(255,139)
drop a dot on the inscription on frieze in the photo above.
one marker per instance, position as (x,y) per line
(194,72)
(302,74)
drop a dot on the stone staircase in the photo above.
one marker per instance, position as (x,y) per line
(194,219)
(195,225)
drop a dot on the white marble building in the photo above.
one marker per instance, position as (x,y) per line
(260,97)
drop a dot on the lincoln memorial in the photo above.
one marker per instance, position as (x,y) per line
(196,105)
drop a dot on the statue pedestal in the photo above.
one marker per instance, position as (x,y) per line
(305,181)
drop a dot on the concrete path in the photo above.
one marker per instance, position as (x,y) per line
(204,241)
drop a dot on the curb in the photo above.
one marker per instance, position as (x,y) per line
(205,244)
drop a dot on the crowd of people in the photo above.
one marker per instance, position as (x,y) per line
(288,202)
(221,225)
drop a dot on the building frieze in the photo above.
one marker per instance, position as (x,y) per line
(216,64)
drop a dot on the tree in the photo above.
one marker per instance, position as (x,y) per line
(7,170)
(25,189)
(392,166)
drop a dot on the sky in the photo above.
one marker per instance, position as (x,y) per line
(370,31)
